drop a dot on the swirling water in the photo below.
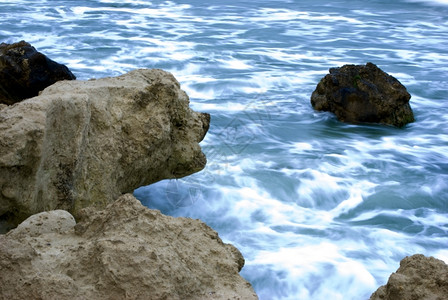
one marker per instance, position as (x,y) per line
(320,209)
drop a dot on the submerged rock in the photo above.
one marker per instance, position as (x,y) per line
(363,94)
(125,251)
(418,277)
(84,143)
(24,72)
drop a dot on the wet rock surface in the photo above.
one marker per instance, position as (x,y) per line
(363,94)
(24,72)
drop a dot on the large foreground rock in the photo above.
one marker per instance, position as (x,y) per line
(418,278)
(363,94)
(123,252)
(24,72)
(83,143)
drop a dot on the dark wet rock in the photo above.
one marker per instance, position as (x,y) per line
(419,277)
(24,72)
(363,94)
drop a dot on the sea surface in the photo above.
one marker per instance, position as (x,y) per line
(320,209)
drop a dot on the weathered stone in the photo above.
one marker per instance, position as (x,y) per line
(126,251)
(24,72)
(363,94)
(84,143)
(418,277)
(45,222)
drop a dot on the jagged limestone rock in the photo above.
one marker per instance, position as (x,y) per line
(418,277)
(84,143)
(125,251)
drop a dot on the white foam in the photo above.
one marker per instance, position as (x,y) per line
(274,15)
(318,271)
(302,147)
(233,63)
(442,255)
(434,2)
(133,2)
(356,197)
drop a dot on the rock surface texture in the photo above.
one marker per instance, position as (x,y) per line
(418,278)
(125,251)
(24,72)
(363,94)
(84,143)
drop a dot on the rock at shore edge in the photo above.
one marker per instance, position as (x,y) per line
(84,143)
(419,277)
(24,72)
(125,251)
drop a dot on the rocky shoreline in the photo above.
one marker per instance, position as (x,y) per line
(418,277)
(125,251)
(72,154)
(85,143)
(68,153)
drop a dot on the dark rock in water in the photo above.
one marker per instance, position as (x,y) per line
(419,277)
(363,94)
(24,72)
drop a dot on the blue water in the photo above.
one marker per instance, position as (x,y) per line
(319,209)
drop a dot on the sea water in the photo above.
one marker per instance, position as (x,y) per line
(320,209)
